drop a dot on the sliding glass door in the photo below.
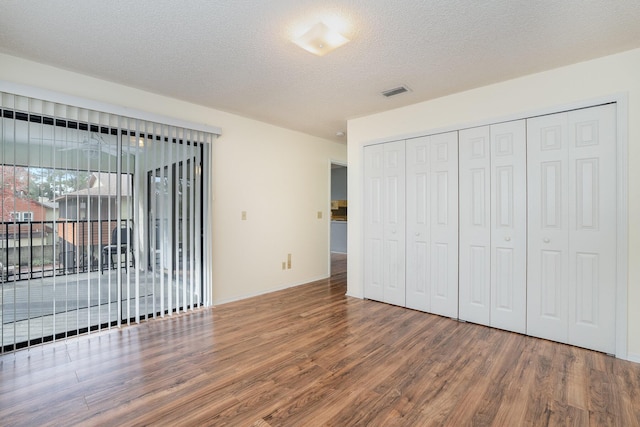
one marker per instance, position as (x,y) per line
(102,220)
(175,236)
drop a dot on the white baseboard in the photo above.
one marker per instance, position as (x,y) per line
(279,288)
(354,296)
(632,357)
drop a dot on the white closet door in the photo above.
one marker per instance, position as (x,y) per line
(592,226)
(548,227)
(493,225)
(384,228)
(475,225)
(394,223)
(508,226)
(418,293)
(373,224)
(572,227)
(444,223)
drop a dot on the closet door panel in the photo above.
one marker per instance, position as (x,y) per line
(394,223)
(373,226)
(508,226)
(418,290)
(572,227)
(475,225)
(548,227)
(592,237)
(444,223)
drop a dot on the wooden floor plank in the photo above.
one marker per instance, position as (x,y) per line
(312,356)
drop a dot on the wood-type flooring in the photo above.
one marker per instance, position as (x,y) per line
(311,356)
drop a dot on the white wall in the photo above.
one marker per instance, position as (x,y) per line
(278,176)
(572,84)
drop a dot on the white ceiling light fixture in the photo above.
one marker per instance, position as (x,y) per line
(320,40)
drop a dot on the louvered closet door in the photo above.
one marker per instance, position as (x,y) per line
(418,294)
(444,223)
(384,229)
(475,225)
(572,227)
(509,226)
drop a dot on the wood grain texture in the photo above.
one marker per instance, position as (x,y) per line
(310,356)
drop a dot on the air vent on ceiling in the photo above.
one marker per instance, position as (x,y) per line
(395,91)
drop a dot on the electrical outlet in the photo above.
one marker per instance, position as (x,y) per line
(289,261)
(319,214)
(243,215)
(284,265)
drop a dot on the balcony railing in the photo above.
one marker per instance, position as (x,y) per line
(30,250)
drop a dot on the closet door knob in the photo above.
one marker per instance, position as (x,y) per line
(546,240)
(507,238)
(417,234)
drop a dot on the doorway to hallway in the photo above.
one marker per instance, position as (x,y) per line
(339,215)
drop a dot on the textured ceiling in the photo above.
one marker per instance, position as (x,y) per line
(236,55)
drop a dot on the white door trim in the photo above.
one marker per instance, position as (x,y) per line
(622,317)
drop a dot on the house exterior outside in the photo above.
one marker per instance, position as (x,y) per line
(26,235)
(38,237)
(87,218)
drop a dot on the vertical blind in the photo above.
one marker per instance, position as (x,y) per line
(103,220)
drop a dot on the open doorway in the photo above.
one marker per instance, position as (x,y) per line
(339,218)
